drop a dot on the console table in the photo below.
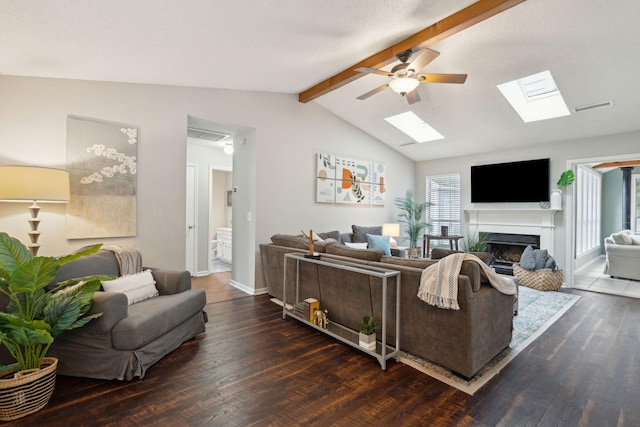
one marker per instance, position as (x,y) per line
(340,332)
(426,243)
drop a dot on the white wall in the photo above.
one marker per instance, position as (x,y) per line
(559,153)
(274,170)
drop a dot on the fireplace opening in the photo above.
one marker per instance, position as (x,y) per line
(507,249)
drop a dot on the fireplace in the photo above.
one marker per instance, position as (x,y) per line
(507,248)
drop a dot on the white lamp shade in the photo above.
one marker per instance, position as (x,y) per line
(403,85)
(32,183)
(392,230)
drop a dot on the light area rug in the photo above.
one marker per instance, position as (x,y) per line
(537,311)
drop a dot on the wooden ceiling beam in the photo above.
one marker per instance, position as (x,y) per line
(465,18)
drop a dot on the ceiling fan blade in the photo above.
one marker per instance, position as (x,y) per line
(412,97)
(617,164)
(367,70)
(424,57)
(443,78)
(373,92)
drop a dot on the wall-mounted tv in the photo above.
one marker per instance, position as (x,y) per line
(514,182)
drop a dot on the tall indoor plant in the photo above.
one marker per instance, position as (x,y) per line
(411,216)
(34,316)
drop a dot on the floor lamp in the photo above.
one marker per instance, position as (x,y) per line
(34,184)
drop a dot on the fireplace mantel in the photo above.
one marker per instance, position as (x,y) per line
(539,222)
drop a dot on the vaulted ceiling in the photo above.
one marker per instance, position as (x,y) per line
(289,46)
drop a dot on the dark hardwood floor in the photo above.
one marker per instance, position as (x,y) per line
(254,369)
(217,287)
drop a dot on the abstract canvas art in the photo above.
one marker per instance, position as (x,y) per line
(102,165)
(344,180)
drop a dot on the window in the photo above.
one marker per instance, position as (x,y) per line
(443,192)
(588,202)
(635,203)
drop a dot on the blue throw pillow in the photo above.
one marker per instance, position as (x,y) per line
(379,242)
(527,260)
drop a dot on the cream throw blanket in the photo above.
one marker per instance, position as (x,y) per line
(439,282)
(129,258)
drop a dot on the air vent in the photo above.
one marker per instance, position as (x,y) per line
(592,106)
(408,143)
(208,135)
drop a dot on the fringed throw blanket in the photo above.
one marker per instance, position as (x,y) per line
(439,282)
(129,258)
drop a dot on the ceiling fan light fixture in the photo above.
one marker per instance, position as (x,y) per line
(403,85)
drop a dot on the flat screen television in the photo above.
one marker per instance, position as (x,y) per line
(514,182)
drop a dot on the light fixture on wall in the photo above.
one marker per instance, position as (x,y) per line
(391,230)
(34,184)
(228,148)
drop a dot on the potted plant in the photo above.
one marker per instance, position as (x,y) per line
(475,242)
(367,333)
(566,179)
(33,318)
(411,215)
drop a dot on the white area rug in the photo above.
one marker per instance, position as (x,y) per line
(536,312)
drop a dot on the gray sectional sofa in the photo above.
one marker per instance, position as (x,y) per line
(462,341)
(127,339)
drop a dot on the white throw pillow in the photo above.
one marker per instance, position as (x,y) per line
(136,287)
(621,238)
(635,239)
(356,245)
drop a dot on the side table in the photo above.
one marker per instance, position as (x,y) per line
(426,243)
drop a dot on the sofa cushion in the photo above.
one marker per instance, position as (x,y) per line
(527,260)
(102,262)
(290,241)
(152,318)
(361,245)
(360,233)
(365,254)
(407,262)
(437,253)
(635,239)
(540,256)
(330,235)
(379,242)
(137,287)
(622,238)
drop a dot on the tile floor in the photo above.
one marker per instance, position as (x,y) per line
(592,278)
(218,266)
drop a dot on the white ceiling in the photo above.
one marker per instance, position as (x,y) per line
(591,48)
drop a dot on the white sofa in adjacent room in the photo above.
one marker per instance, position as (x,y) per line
(623,255)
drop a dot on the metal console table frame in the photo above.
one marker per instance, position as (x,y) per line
(340,332)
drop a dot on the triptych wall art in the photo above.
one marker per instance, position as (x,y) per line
(102,164)
(344,180)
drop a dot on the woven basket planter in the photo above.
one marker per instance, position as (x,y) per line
(25,392)
(542,280)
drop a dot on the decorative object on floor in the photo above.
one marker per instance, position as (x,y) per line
(342,180)
(391,230)
(545,279)
(28,391)
(367,333)
(103,163)
(321,318)
(411,215)
(34,317)
(34,184)
(537,311)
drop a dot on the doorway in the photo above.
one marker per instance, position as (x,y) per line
(209,178)
(590,275)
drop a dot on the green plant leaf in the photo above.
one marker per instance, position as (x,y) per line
(83,251)
(566,178)
(12,255)
(34,274)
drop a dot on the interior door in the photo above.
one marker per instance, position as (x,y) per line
(192,204)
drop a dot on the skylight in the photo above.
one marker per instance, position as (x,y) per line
(535,97)
(414,126)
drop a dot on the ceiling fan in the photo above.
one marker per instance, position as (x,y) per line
(405,77)
(622,164)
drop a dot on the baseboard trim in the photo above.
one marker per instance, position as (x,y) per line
(246,289)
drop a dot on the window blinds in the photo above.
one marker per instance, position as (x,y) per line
(443,193)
